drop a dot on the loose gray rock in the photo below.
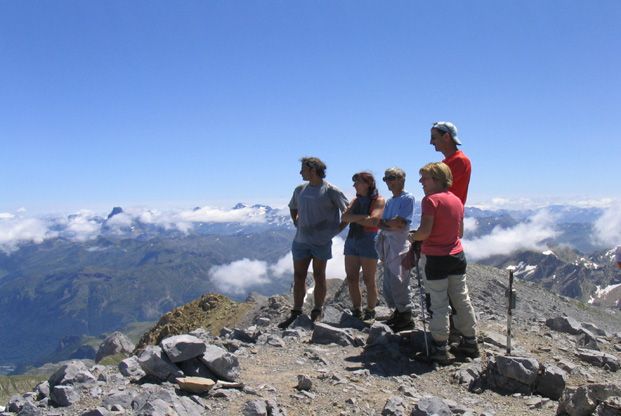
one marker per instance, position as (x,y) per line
(119,398)
(159,400)
(183,347)
(431,406)
(327,334)
(75,372)
(495,339)
(304,382)
(471,377)
(303,321)
(16,403)
(275,341)
(512,374)
(196,368)
(274,410)
(583,401)
(100,411)
(64,395)
(599,359)
(248,335)
(586,339)
(155,362)
(610,407)
(42,389)
(255,408)
(594,329)
(114,343)
(394,407)
(130,367)
(337,318)
(222,363)
(551,382)
(564,324)
(379,334)
(31,409)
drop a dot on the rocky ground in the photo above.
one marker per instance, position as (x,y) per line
(341,367)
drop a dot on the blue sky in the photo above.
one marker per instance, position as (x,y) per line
(194,103)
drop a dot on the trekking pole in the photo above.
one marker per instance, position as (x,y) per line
(511,298)
(421,293)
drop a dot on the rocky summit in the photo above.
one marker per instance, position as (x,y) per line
(564,360)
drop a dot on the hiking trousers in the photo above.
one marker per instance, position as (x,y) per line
(453,287)
(397,289)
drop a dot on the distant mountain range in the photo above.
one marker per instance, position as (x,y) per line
(134,269)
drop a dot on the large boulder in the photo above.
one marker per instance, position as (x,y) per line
(75,372)
(551,382)
(114,343)
(564,324)
(64,396)
(512,374)
(155,362)
(222,363)
(183,347)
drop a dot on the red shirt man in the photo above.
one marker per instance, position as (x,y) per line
(444,139)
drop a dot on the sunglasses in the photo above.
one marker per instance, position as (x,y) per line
(389,178)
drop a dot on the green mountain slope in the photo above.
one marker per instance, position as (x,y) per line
(61,288)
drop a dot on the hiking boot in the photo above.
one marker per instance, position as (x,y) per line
(439,353)
(316,314)
(402,322)
(389,321)
(356,313)
(454,337)
(294,315)
(468,346)
(369,315)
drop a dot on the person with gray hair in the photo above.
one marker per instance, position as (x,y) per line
(392,246)
(315,208)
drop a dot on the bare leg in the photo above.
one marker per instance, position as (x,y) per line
(300,269)
(352,269)
(369,267)
(319,274)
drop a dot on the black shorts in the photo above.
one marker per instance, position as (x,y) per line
(440,267)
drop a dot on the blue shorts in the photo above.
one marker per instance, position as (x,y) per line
(301,251)
(362,247)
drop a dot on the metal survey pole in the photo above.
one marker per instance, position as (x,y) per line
(511,298)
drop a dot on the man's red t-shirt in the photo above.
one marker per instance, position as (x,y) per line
(459,164)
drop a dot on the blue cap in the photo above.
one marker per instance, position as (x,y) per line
(447,127)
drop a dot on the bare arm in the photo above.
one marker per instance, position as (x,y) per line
(371,220)
(461,228)
(424,231)
(294,216)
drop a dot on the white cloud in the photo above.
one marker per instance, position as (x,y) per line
(82,226)
(527,235)
(208,214)
(238,276)
(607,228)
(6,216)
(470,225)
(336,265)
(15,231)
(539,203)
(283,267)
